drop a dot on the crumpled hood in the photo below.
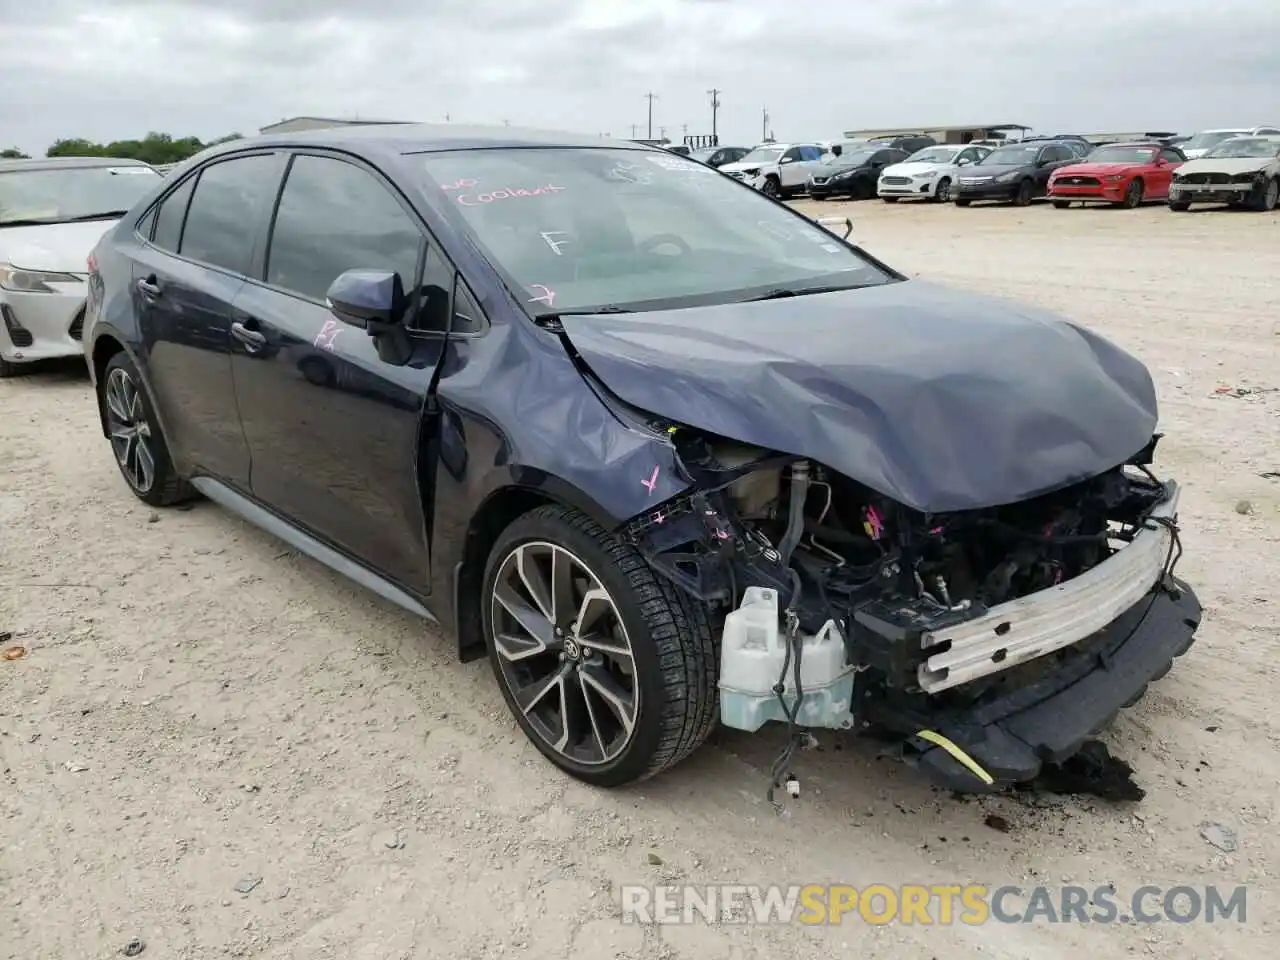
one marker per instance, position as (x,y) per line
(1231,165)
(940,399)
(54,247)
(738,166)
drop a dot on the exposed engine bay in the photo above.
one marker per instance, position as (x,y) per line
(913,598)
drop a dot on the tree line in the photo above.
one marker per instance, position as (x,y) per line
(154,148)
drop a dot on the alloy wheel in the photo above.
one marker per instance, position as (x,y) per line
(943,193)
(564,654)
(130,431)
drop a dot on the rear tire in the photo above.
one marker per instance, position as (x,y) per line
(140,450)
(673,655)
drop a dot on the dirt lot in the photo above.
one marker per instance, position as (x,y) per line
(198,705)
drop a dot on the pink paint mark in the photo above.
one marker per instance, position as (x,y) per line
(506,193)
(874,524)
(548,296)
(936,530)
(463,184)
(722,534)
(327,335)
(651,482)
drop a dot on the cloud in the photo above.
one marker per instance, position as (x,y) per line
(118,68)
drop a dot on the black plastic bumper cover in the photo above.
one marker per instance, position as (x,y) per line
(1048,721)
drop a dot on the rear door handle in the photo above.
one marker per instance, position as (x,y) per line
(253,340)
(148,287)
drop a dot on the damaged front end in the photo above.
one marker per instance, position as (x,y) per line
(986,641)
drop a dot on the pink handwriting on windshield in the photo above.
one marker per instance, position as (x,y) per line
(506,193)
(548,296)
(462,184)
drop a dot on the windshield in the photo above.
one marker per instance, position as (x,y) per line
(1014,155)
(934,155)
(705,154)
(1202,141)
(1123,155)
(71,193)
(584,229)
(850,158)
(1246,148)
(763,155)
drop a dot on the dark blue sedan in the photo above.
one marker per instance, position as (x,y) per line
(663,449)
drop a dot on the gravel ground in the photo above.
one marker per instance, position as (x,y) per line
(198,705)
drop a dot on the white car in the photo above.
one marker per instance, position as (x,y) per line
(1206,140)
(928,173)
(1242,171)
(776,169)
(52,213)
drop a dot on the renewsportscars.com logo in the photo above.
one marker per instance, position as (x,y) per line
(929,904)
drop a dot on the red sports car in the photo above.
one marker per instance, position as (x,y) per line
(1119,173)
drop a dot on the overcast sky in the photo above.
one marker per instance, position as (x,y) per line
(114,69)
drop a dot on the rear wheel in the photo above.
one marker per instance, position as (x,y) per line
(610,672)
(139,448)
(1133,194)
(1026,190)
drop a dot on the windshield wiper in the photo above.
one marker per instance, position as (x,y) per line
(780,293)
(104,215)
(585,312)
(27,223)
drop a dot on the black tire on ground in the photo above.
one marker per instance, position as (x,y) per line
(1061,204)
(1133,195)
(1179,206)
(1026,191)
(817,197)
(165,487)
(772,188)
(1268,196)
(942,192)
(8,369)
(674,649)
(862,190)
(886,200)
(962,202)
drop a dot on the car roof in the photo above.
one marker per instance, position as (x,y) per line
(409,138)
(68,163)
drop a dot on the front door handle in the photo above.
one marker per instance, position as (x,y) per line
(253,340)
(148,287)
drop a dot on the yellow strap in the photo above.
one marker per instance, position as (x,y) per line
(952,748)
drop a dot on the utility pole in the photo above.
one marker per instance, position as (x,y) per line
(662,133)
(715,108)
(635,130)
(651,97)
(446,118)
(764,123)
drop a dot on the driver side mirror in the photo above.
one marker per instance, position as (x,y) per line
(964,161)
(787,160)
(370,299)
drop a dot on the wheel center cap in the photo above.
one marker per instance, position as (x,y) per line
(571,649)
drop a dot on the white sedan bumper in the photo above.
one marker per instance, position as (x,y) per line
(40,326)
(1052,619)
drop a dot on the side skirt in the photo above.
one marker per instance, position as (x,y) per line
(264,519)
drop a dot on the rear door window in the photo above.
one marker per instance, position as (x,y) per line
(167,233)
(230,199)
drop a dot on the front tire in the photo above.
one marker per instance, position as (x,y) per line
(1268,196)
(8,369)
(139,447)
(609,671)
(889,199)
(942,192)
(962,202)
(1179,206)
(1061,204)
(1026,191)
(771,188)
(1133,195)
